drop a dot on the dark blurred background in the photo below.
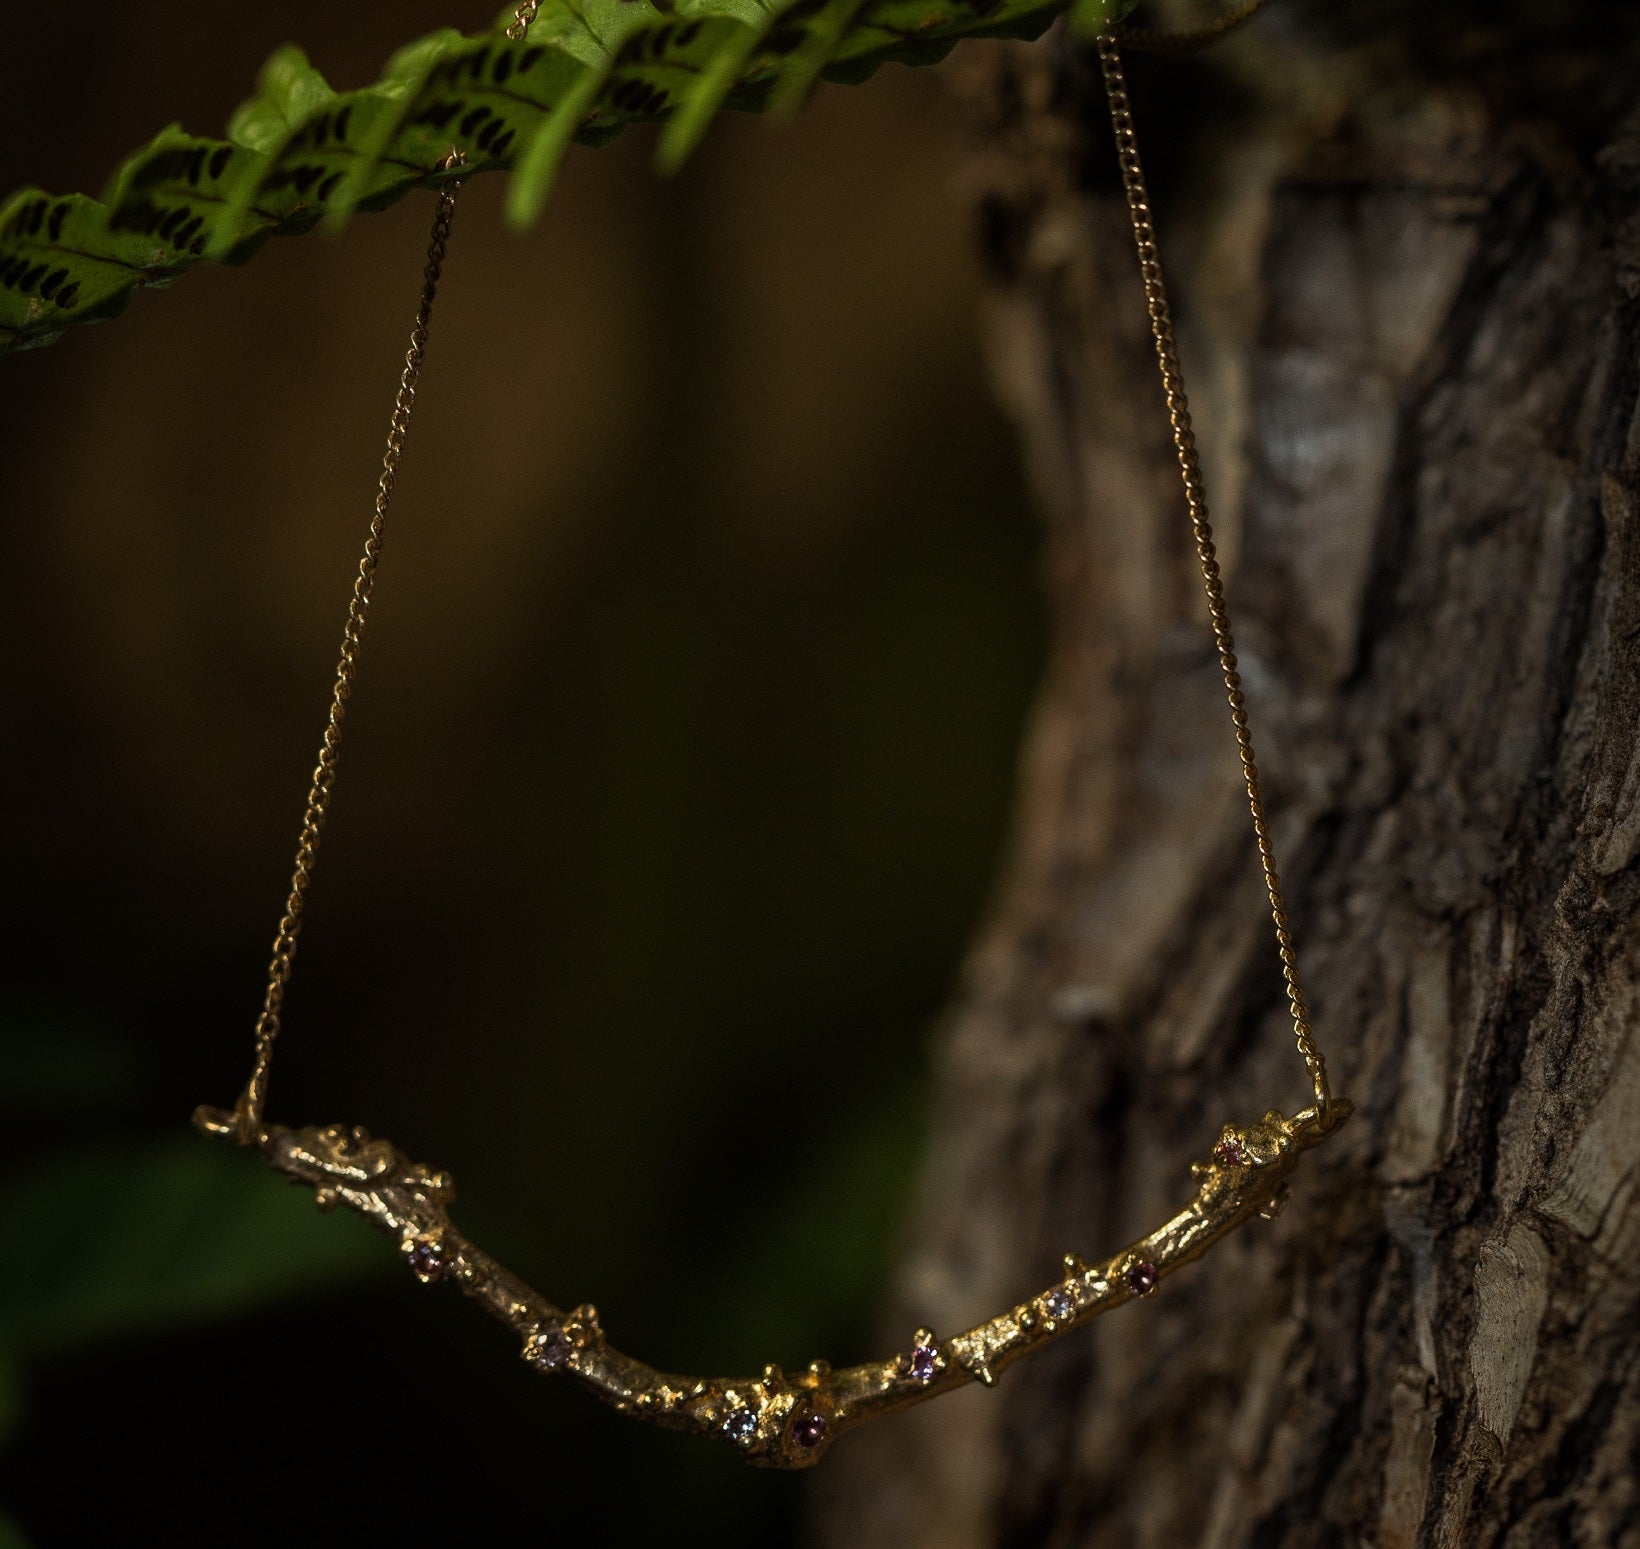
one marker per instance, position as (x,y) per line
(678,771)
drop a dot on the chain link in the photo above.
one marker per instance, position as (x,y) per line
(522,18)
(1184,443)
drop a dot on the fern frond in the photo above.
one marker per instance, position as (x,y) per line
(298,153)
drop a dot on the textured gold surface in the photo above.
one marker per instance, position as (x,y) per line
(776,1419)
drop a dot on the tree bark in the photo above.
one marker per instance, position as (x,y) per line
(1409,283)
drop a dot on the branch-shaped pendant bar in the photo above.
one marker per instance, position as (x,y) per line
(779,1420)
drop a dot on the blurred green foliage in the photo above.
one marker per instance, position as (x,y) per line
(298,154)
(126,1240)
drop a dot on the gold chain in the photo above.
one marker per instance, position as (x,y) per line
(1184,444)
(1153,40)
(253,1099)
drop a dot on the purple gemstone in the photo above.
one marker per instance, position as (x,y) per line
(925,1362)
(549,1349)
(1141,1279)
(808,1430)
(1230,1151)
(740,1424)
(426,1261)
(1059,1304)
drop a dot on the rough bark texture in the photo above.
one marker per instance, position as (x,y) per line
(1409,282)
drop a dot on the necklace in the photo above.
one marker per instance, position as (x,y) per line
(780,1419)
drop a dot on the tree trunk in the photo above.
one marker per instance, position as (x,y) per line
(1408,286)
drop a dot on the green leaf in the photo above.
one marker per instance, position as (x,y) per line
(118,1241)
(298,153)
(571,52)
(697,104)
(1089,18)
(819,27)
(63,262)
(915,32)
(187,195)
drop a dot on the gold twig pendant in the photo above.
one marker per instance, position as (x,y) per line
(778,1419)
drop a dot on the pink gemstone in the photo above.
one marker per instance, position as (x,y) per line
(1141,1279)
(925,1363)
(808,1430)
(1230,1151)
(426,1261)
